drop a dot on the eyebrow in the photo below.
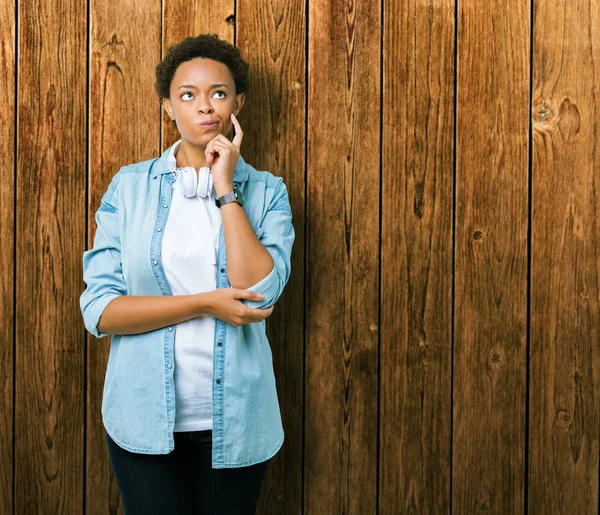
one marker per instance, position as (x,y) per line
(192,86)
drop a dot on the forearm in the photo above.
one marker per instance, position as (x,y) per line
(130,314)
(247,259)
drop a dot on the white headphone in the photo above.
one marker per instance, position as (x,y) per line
(194,185)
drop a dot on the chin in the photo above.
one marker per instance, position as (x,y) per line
(200,141)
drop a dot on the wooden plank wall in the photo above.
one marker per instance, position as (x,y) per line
(124,127)
(491,221)
(7,250)
(565,256)
(50,229)
(415,436)
(436,349)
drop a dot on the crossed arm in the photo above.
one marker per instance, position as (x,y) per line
(260,262)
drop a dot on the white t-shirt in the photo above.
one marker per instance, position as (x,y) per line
(189,256)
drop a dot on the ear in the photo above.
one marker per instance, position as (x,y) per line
(239,102)
(166,102)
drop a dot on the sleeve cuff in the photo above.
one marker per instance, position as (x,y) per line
(94,311)
(267,287)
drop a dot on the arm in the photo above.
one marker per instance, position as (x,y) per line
(276,235)
(102,271)
(247,259)
(106,307)
(130,314)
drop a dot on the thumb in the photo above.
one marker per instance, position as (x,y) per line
(249,295)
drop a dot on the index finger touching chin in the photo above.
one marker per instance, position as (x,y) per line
(237,140)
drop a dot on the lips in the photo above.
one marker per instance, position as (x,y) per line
(208,125)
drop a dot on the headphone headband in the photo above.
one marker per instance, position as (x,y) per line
(194,184)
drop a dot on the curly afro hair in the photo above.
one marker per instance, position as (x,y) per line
(204,45)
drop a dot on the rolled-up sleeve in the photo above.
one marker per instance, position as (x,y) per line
(276,233)
(102,268)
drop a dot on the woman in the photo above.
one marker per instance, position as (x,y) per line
(187,264)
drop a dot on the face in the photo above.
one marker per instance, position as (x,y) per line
(202,90)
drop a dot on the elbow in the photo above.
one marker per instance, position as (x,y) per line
(246,283)
(100,329)
(92,311)
(271,289)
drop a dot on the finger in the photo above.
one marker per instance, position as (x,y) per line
(210,152)
(213,143)
(214,148)
(258,314)
(223,139)
(237,141)
(247,294)
(267,312)
(219,146)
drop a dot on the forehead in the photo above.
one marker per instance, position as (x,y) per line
(202,72)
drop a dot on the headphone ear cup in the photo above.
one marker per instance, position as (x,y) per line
(190,180)
(205,183)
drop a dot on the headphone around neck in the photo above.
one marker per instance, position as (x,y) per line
(194,184)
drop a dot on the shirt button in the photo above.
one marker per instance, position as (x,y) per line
(169,365)
(218,381)
(165,206)
(220,344)
(159,229)
(155,262)
(222,270)
(170,328)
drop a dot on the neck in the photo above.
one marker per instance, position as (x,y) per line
(190,155)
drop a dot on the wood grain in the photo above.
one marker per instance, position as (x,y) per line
(416,259)
(488,446)
(273,121)
(50,214)
(184,18)
(342,290)
(124,129)
(7,250)
(565,259)
(408,399)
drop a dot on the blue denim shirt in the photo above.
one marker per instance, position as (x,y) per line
(138,403)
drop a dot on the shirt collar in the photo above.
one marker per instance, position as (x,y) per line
(167,159)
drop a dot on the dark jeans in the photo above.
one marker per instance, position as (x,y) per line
(183,482)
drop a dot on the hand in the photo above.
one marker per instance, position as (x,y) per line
(222,156)
(225,304)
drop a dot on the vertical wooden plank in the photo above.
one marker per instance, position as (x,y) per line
(184,18)
(124,129)
(343,257)
(491,257)
(416,258)
(273,120)
(50,215)
(7,220)
(565,261)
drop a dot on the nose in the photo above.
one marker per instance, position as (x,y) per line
(204,106)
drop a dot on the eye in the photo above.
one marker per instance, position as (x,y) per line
(221,91)
(184,93)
